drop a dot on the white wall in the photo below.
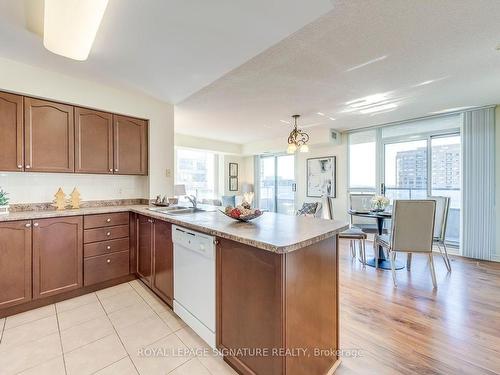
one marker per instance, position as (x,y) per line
(340,152)
(31,187)
(200,143)
(319,146)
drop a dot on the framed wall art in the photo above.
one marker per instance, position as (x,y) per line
(321,177)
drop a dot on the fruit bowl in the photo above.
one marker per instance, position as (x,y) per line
(242,213)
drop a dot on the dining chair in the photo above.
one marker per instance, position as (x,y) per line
(440,225)
(362,202)
(310,209)
(412,232)
(353,234)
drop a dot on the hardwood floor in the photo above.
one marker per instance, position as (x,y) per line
(413,329)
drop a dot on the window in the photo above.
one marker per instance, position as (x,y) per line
(362,160)
(197,170)
(411,160)
(276,183)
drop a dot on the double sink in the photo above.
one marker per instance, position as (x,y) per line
(177,210)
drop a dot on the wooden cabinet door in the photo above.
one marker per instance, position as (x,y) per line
(131,145)
(57,255)
(48,136)
(93,141)
(144,248)
(163,261)
(11,132)
(15,263)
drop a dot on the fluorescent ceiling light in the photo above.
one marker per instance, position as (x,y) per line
(320,113)
(378,108)
(331,118)
(70,26)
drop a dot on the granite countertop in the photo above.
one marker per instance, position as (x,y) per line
(272,232)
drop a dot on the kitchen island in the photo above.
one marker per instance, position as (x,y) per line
(276,285)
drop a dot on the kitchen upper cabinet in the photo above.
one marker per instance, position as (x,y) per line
(130,145)
(145,248)
(163,257)
(48,136)
(93,141)
(11,130)
(15,263)
(57,255)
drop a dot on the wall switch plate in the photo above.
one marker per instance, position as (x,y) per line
(168,172)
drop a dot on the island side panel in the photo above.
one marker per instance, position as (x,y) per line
(250,305)
(311,304)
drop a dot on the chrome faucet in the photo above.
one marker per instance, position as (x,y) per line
(193,200)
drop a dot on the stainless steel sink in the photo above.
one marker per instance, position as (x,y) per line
(176,210)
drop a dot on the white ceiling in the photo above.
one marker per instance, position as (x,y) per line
(360,48)
(246,66)
(166,48)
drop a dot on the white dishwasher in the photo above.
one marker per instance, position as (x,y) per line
(194,281)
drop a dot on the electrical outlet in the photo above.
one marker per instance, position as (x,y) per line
(168,172)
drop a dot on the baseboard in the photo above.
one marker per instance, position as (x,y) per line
(496,258)
(34,304)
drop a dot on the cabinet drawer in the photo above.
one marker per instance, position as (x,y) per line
(105,247)
(105,220)
(103,234)
(105,267)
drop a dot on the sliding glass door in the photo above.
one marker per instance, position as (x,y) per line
(445,178)
(405,170)
(429,166)
(277,183)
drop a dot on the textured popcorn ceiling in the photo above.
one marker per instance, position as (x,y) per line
(412,57)
(239,69)
(166,48)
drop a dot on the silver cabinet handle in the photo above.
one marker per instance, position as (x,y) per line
(35,224)
(19,166)
(108,234)
(116,169)
(108,260)
(108,247)
(111,169)
(28,166)
(27,225)
(108,220)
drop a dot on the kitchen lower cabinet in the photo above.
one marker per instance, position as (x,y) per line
(163,257)
(155,256)
(144,248)
(15,263)
(11,130)
(57,255)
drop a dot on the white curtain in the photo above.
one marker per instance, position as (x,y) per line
(478,194)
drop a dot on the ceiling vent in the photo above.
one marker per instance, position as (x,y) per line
(335,137)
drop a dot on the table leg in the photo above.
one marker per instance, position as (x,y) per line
(383,262)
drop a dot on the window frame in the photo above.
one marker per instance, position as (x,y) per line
(380,155)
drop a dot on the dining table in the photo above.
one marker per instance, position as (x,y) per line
(380,217)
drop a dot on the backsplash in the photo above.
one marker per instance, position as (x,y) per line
(41,187)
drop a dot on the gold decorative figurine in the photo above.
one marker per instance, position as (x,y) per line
(75,198)
(60,201)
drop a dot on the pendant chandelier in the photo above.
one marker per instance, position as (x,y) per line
(297,140)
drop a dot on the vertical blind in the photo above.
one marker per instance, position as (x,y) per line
(478,165)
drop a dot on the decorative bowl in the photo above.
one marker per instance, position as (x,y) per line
(246,218)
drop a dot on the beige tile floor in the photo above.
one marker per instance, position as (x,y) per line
(105,333)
